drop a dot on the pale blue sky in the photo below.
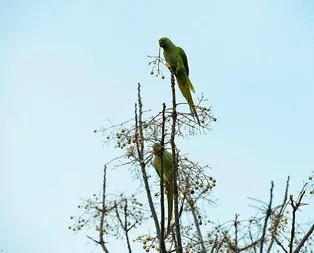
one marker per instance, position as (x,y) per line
(68,66)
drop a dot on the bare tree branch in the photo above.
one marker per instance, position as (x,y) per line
(305,238)
(295,206)
(102,216)
(198,229)
(175,167)
(268,213)
(162,202)
(140,151)
(279,215)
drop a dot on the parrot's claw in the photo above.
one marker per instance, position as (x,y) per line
(172,68)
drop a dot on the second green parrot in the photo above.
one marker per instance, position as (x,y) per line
(178,62)
(159,152)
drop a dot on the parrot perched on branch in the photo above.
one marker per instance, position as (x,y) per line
(159,151)
(176,59)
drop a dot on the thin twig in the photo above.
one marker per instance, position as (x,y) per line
(280,245)
(126,229)
(282,208)
(198,229)
(214,244)
(124,224)
(102,216)
(297,250)
(140,153)
(162,199)
(236,249)
(251,245)
(251,237)
(295,206)
(268,213)
(95,241)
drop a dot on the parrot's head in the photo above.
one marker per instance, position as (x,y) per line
(165,42)
(157,149)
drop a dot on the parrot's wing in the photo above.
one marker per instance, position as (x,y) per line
(168,163)
(157,165)
(186,66)
(168,180)
(185,60)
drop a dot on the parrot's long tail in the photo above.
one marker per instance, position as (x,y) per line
(193,111)
(190,100)
(186,87)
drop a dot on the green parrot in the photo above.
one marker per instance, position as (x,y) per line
(178,62)
(159,151)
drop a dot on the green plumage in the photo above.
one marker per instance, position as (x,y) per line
(159,152)
(178,62)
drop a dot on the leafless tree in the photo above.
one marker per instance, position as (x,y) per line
(274,228)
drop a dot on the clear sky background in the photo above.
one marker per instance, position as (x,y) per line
(66,67)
